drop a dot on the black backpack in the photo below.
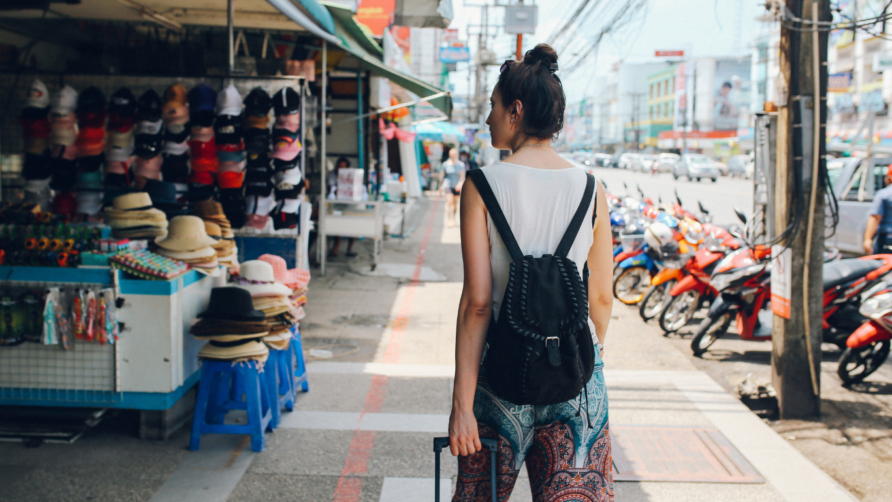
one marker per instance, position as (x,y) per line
(540,349)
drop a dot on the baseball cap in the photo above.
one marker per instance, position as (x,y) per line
(228,129)
(252,122)
(286,101)
(174,97)
(90,163)
(258,103)
(226,156)
(257,140)
(285,148)
(280,165)
(176,133)
(116,153)
(258,161)
(147,146)
(115,167)
(176,148)
(230,179)
(38,95)
(292,176)
(201,118)
(91,101)
(229,102)
(64,101)
(64,172)
(148,127)
(122,103)
(147,168)
(202,134)
(201,98)
(148,107)
(121,139)
(175,167)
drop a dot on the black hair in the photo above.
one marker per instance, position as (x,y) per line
(344,160)
(533,82)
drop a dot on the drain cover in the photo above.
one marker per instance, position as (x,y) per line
(687,454)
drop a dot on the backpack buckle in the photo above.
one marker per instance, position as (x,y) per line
(554,352)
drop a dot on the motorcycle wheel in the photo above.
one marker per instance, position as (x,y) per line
(679,311)
(708,332)
(631,284)
(856,364)
(655,300)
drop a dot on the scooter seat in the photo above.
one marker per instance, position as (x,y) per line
(840,272)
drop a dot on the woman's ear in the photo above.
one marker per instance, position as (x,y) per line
(516,111)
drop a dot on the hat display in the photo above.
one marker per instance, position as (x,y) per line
(257,278)
(286,102)
(175,168)
(231,351)
(147,168)
(122,110)
(175,109)
(185,233)
(232,304)
(201,98)
(233,327)
(132,216)
(228,130)
(229,102)
(91,101)
(38,95)
(290,278)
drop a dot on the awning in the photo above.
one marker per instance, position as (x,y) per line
(442,132)
(302,20)
(408,82)
(319,14)
(359,31)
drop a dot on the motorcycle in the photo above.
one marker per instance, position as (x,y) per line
(667,246)
(868,346)
(633,272)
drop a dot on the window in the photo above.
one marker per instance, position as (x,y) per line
(651,91)
(666,109)
(666,87)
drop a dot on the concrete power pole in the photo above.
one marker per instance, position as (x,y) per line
(799,201)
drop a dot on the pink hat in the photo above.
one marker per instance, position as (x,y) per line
(280,270)
(285,148)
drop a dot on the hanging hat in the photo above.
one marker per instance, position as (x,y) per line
(257,103)
(202,134)
(177,133)
(280,165)
(289,122)
(122,110)
(226,351)
(64,101)
(148,108)
(286,101)
(185,233)
(91,101)
(286,148)
(163,195)
(147,168)
(252,122)
(172,148)
(175,168)
(232,304)
(202,101)
(38,95)
(147,146)
(228,130)
(257,278)
(176,106)
(121,139)
(287,277)
(64,203)
(229,102)
(257,141)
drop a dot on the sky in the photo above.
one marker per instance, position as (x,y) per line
(699,27)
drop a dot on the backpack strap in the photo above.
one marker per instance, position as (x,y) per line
(495,212)
(576,222)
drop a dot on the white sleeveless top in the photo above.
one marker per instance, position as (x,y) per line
(538,204)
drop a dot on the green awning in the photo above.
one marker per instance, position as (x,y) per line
(408,82)
(360,33)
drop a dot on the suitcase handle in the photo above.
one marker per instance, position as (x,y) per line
(490,444)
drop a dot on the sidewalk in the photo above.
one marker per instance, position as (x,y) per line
(363,432)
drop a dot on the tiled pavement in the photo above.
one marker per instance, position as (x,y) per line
(363,432)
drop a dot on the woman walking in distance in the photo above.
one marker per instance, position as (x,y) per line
(566,445)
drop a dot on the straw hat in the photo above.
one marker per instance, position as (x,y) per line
(136,205)
(203,254)
(185,233)
(227,351)
(257,278)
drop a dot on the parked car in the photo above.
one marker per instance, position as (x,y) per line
(737,165)
(695,167)
(643,162)
(666,161)
(625,160)
(603,159)
(721,166)
(855,198)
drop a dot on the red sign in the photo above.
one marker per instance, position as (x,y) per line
(697,134)
(450,34)
(376,14)
(669,54)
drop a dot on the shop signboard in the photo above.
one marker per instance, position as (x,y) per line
(669,54)
(376,15)
(454,54)
(450,34)
(882,62)
(872,101)
(842,103)
(731,101)
(839,82)
(521,19)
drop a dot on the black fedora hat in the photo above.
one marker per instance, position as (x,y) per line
(232,304)
(163,195)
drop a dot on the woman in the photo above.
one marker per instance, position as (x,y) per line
(566,446)
(453,181)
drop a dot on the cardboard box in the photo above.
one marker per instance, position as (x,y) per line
(350,183)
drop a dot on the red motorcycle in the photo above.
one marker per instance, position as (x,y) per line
(868,347)
(690,292)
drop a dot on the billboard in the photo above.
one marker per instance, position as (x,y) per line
(679,120)
(730,109)
(454,54)
(376,14)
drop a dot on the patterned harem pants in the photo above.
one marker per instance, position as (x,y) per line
(567,460)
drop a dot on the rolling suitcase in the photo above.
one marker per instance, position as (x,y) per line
(490,444)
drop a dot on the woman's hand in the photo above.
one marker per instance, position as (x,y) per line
(464,439)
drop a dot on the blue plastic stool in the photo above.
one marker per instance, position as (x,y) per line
(278,384)
(300,374)
(220,390)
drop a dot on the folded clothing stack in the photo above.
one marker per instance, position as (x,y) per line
(233,327)
(286,158)
(175,149)
(149,134)
(121,127)
(270,297)
(91,111)
(133,217)
(188,242)
(63,135)
(203,149)
(35,122)
(228,130)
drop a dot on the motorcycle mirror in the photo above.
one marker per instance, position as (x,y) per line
(702,209)
(677,198)
(626,187)
(740,215)
(660,199)
(640,191)
(604,184)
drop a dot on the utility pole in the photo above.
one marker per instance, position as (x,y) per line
(636,97)
(519,39)
(799,191)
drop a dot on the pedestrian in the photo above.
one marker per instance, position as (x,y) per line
(566,445)
(879,222)
(453,181)
(468,160)
(332,180)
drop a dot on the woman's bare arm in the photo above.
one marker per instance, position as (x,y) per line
(474,312)
(600,265)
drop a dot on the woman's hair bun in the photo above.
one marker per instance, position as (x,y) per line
(542,53)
